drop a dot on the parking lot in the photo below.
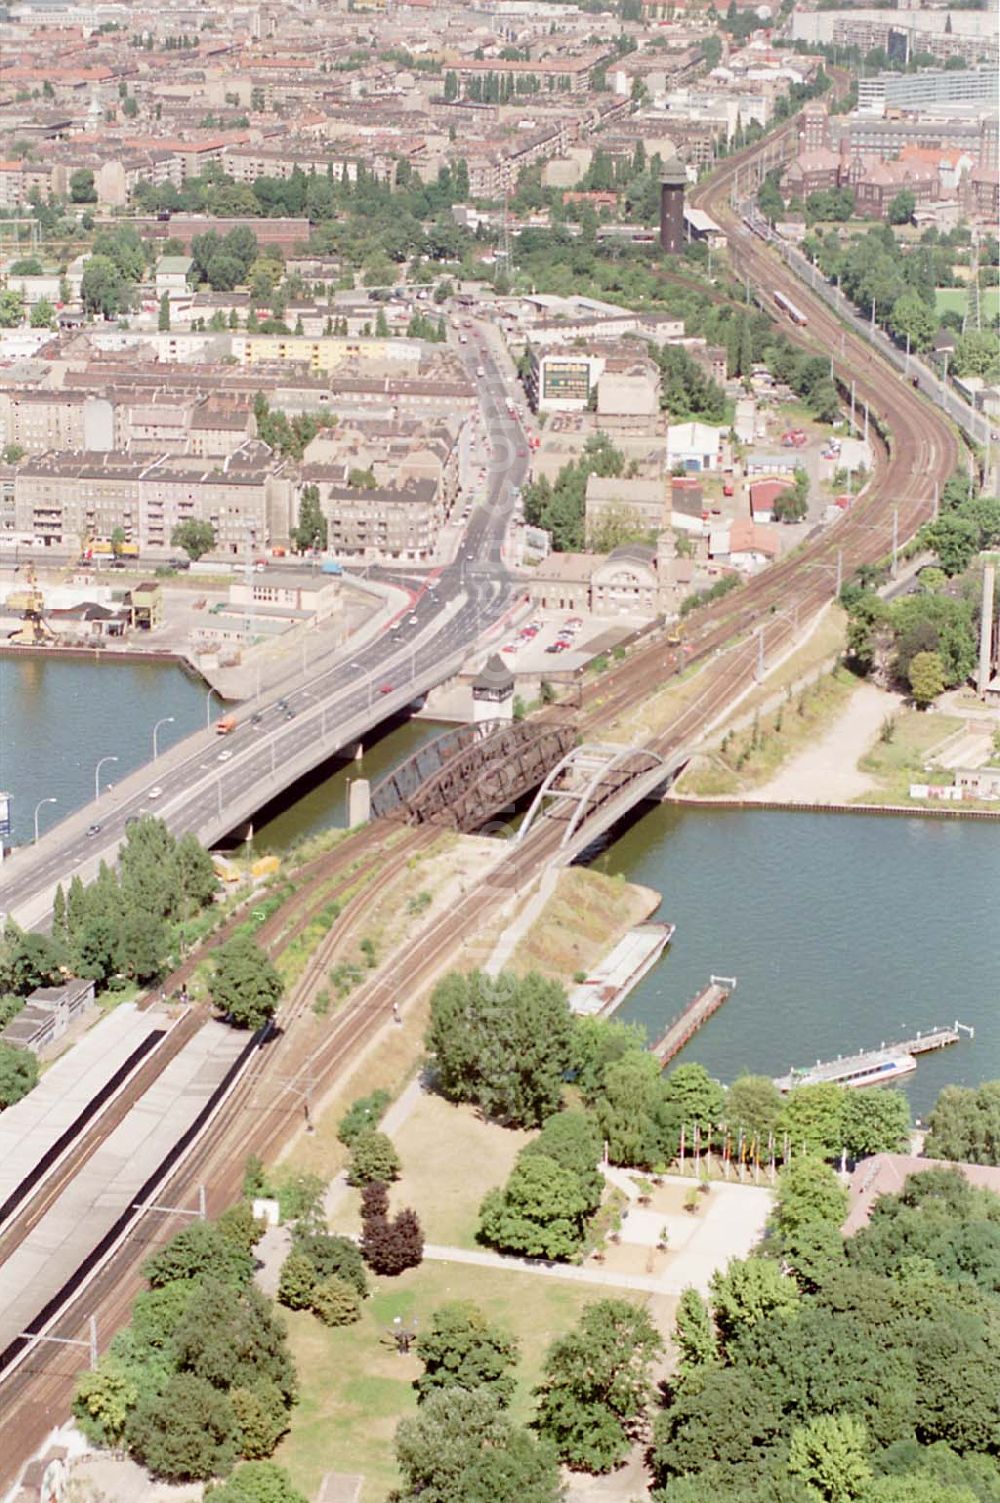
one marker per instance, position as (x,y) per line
(562,642)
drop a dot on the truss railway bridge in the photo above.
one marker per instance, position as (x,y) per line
(466,777)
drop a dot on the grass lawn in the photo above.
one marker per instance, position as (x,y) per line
(954,299)
(906,758)
(354,1386)
(450,1158)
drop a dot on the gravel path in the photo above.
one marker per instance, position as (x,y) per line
(827,772)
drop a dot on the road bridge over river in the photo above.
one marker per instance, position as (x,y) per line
(209,786)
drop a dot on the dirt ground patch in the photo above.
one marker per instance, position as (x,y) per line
(828,771)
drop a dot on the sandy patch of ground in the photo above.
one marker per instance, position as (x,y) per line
(827,772)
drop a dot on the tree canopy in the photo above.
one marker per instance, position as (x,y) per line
(503,1043)
(596,1384)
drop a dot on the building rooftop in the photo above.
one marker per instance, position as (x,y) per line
(494,676)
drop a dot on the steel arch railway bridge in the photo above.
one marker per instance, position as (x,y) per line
(462,778)
(588,779)
(466,776)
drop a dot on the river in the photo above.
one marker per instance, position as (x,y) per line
(59,716)
(842,930)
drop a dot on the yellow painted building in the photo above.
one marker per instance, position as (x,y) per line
(323,354)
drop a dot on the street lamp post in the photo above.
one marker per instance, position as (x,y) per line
(167,720)
(42,801)
(97,774)
(208,708)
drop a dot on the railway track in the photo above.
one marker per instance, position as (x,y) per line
(260,1112)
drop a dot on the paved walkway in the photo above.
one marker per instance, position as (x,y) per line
(515,932)
(571,1271)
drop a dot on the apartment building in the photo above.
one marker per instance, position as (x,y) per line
(389,523)
(569,74)
(65,498)
(944,33)
(926,89)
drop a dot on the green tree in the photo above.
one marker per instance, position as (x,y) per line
(626,1110)
(747,1292)
(830,1454)
(333,1256)
(753,1105)
(694,1334)
(18,1074)
(539,1211)
(926,676)
(233,1338)
(463,1348)
(261,1418)
(502,1042)
(363,1115)
(875,1122)
(103,288)
(336,1302)
(11,309)
(689,1099)
(186,1432)
(163,319)
(572,1140)
(297,1282)
(808,1192)
(81,186)
(812,1119)
(461,1445)
(912,319)
(43,315)
(596,1385)
(194,536)
(720,1426)
(373,1157)
(597,1043)
(769,199)
(976,355)
(103,1401)
(196,1251)
(257,1482)
(311,531)
(954,538)
(246,988)
(964,1124)
(792,504)
(901,208)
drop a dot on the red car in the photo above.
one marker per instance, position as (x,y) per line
(385,689)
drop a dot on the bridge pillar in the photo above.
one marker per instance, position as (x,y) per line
(359,802)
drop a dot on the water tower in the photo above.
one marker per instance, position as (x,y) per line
(672,185)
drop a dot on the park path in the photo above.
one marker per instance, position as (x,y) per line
(603,1276)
